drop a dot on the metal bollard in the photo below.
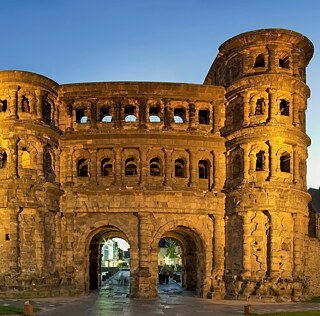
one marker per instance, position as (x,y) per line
(248,309)
(27,309)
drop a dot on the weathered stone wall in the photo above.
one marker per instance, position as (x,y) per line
(219,167)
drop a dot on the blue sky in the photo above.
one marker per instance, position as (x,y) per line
(148,40)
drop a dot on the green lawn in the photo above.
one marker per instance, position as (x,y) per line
(10,310)
(303,313)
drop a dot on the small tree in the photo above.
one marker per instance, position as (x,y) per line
(172,253)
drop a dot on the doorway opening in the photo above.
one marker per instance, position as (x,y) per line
(181,252)
(109,258)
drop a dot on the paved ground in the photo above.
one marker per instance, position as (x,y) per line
(112,300)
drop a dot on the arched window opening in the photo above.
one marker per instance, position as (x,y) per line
(260,104)
(25,107)
(179,115)
(236,166)
(285,162)
(284,107)
(155,167)
(260,161)
(81,116)
(3,105)
(203,167)
(25,159)
(284,62)
(259,62)
(3,159)
(48,168)
(83,168)
(179,168)
(154,115)
(204,117)
(129,114)
(46,112)
(106,167)
(131,167)
(105,115)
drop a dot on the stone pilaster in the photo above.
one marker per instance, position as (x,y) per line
(13,101)
(295,110)
(273,110)
(272,58)
(168,167)
(39,96)
(247,240)
(118,166)
(193,164)
(246,108)
(144,165)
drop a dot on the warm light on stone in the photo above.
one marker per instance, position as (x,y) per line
(220,168)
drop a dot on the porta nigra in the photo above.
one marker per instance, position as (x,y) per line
(219,167)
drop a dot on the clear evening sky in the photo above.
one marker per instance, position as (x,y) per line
(148,40)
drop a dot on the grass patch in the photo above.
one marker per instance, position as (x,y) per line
(301,313)
(315,299)
(10,310)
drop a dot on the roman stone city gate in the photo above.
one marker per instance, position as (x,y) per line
(218,167)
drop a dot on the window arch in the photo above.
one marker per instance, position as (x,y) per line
(129,114)
(204,117)
(82,168)
(25,107)
(105,115)
(260,161)
(106,167)
(3,105)
(179,168)
(284,107)
(179,115)
(81,116)
(285,162)
(154,114)
(3,159)
(284,62)
(260,105)
(131,167)
(48,167)
(25,159)
(236,166)
(203,168)
(155,167)
(259,62)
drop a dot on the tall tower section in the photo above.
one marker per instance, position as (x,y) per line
(264,73)
(29,186)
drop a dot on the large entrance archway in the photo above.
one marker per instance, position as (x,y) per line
(98,242)
(193,259)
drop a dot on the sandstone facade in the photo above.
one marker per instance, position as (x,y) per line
(218,167)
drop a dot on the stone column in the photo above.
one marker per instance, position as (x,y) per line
(13,157)
(295,110)
(272,159)
(295,165)
(192,115)
(193,169)
(39,95)
(143,113)
(56,113)
(39,158)
(246,163)
(134,271)
(12,102)
(57,155)
(69,169)
(272,57)
(117,114)
(93,172)
(273,110)
(246,244)
(168,167)
(218,255)
(168,115)
(118,166)
(295,63)
(144,165)
(147,285)
(93,113)
(246,107)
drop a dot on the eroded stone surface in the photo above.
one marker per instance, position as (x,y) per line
(219,167)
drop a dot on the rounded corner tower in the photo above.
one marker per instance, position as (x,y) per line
(264,73)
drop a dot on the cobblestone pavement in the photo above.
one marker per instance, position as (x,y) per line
(112,299)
